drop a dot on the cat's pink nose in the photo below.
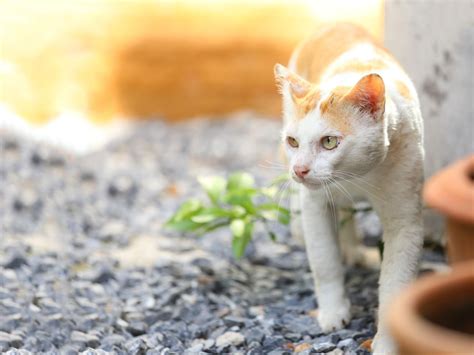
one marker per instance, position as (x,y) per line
(301,170)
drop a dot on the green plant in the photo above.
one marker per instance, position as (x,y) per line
(235,203)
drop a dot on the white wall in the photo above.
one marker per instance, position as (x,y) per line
(433,40)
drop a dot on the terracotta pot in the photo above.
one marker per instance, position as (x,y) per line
(451,192)
(436,314)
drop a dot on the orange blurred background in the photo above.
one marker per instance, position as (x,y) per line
(146,59)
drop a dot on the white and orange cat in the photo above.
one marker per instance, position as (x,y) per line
(353,130)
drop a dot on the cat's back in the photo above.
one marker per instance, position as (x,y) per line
(315,55)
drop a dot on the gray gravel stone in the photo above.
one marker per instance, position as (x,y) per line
(324,347)
(230,338)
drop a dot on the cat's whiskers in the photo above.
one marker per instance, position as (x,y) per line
(281,193)
(342,189)
(358,177)
(352,182)
(273,165)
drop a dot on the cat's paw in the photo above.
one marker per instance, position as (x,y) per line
(334,318)
(383,344)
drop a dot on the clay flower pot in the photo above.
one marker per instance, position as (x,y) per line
(435,315)
(451,192)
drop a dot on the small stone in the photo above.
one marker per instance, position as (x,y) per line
(254,334)
(11,339)
(195,349)
(348,344)
(137,328)
(293,336)
(230,338)
(83,338)
(113,339)
(359,323)
(336,352)
(302,347)
(134,345)
(208,344)
(324,347)
(15,261)
(345,333)
(231,321)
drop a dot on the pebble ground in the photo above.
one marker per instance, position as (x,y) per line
(85,266)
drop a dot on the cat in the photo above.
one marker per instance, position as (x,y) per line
(353,130)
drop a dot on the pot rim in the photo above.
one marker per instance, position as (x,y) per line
(451,191)
(408,327)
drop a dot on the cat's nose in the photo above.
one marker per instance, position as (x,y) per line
(301,170)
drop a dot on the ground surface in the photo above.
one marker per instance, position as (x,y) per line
(85,264)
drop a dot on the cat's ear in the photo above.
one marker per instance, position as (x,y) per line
(368,95)
(298,86)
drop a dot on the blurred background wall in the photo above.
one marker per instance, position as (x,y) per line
(156,58)
(434,41)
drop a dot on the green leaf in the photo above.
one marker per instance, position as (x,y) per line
(183,226)
(270,192)
(241,200)
(238,211)
(185,211)
(270,215)
(237,226)
(210,214)
(214,186)
(284,216)
(239,181)
(239,243)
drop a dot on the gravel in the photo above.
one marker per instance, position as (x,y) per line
(85,266)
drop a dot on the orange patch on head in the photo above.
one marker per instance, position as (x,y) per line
(307,103)
(403,90)
(358,66)
(334,111)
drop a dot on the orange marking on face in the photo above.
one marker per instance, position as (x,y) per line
(307,103)
(334,110)
(403,90)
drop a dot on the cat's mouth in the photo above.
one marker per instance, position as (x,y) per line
(313,184)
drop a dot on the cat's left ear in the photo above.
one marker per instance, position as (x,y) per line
(298,86)
(369,95)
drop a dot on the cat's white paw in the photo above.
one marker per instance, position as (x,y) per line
(383,345)
(334,318)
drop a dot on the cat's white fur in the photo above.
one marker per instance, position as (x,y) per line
(381,161)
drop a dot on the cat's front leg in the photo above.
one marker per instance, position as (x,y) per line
(403,241)
(325,260)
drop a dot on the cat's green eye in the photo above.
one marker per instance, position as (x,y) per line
(292,142)
(329,142)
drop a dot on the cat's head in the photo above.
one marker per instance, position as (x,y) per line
(332,133)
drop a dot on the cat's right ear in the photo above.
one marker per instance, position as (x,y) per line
(297,86)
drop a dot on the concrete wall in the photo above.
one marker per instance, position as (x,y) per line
(433,40)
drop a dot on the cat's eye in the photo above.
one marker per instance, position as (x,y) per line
(329,142)
(292,142)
